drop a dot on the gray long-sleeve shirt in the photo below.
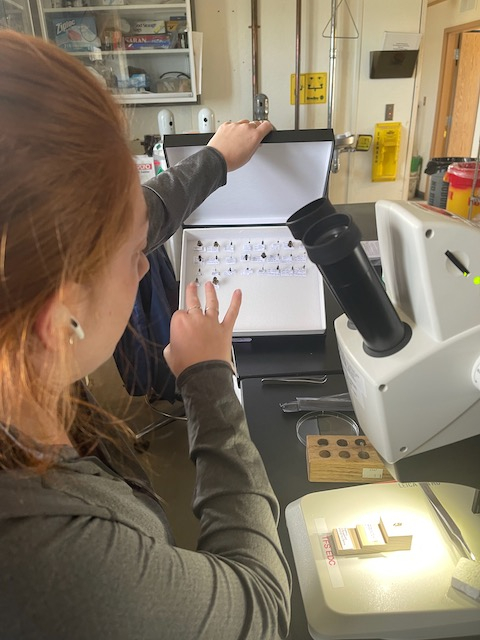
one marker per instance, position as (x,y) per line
(174,194)
(86,554)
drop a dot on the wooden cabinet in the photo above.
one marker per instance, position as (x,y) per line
(142,52)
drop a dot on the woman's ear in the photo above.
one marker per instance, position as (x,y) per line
(52,320)
(58,320)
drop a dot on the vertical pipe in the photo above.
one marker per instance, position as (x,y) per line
(297,62)
(332,65)
(254,53)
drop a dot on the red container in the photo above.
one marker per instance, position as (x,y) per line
(460,176)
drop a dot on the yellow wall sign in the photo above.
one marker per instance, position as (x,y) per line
(364,142)
(313,88)
(386,146)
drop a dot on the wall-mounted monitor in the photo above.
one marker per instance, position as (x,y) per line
(393,64)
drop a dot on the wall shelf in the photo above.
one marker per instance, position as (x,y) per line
(132,48)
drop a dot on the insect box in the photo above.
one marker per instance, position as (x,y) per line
(237,238)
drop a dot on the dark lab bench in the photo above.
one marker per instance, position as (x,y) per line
(284,456)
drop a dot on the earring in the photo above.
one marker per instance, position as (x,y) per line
(77,329)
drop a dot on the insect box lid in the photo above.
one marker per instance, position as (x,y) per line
(289,169)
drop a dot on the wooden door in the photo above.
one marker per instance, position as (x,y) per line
(458,93)
(464,104)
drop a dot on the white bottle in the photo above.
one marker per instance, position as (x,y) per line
(159,160)
(206,121)
(101,71)
(166,126)
(166,122)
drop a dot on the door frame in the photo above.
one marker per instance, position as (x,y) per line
(447,68)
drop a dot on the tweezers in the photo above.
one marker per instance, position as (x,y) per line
(336,402)
(447,521)
(295,380)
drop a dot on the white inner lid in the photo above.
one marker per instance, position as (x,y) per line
(280,178)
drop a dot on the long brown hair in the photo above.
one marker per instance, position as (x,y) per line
(65,205)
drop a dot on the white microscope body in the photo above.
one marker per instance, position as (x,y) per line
(426,395)
(417,398)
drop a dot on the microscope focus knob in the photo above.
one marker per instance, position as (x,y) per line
(476,374)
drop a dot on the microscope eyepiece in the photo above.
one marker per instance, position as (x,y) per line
(333,243)
(304,218)
(331,239)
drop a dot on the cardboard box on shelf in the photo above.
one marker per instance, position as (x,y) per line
(157,41)
(176,24)
(142,27)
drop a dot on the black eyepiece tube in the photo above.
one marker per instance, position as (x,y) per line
(304,218)
(334,245)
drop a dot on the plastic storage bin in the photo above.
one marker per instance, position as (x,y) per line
(460,177)
(437,168)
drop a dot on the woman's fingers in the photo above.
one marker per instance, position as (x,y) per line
(212,305)
(192,300)
(197,335)
(233,310)
(211,300)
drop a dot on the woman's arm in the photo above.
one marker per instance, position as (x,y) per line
(237,509)
(174,194)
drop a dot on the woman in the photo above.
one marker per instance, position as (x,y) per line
(86,550)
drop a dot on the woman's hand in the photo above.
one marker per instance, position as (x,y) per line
(197,335)
(238,141)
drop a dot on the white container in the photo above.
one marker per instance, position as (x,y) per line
(145,167)
(159,158)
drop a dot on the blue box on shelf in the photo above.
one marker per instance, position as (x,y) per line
(74,33)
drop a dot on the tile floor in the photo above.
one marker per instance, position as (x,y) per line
(166,459)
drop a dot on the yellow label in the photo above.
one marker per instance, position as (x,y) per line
(364,142)
(313,88)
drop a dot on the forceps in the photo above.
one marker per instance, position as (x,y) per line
(447,521)
(295,380)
